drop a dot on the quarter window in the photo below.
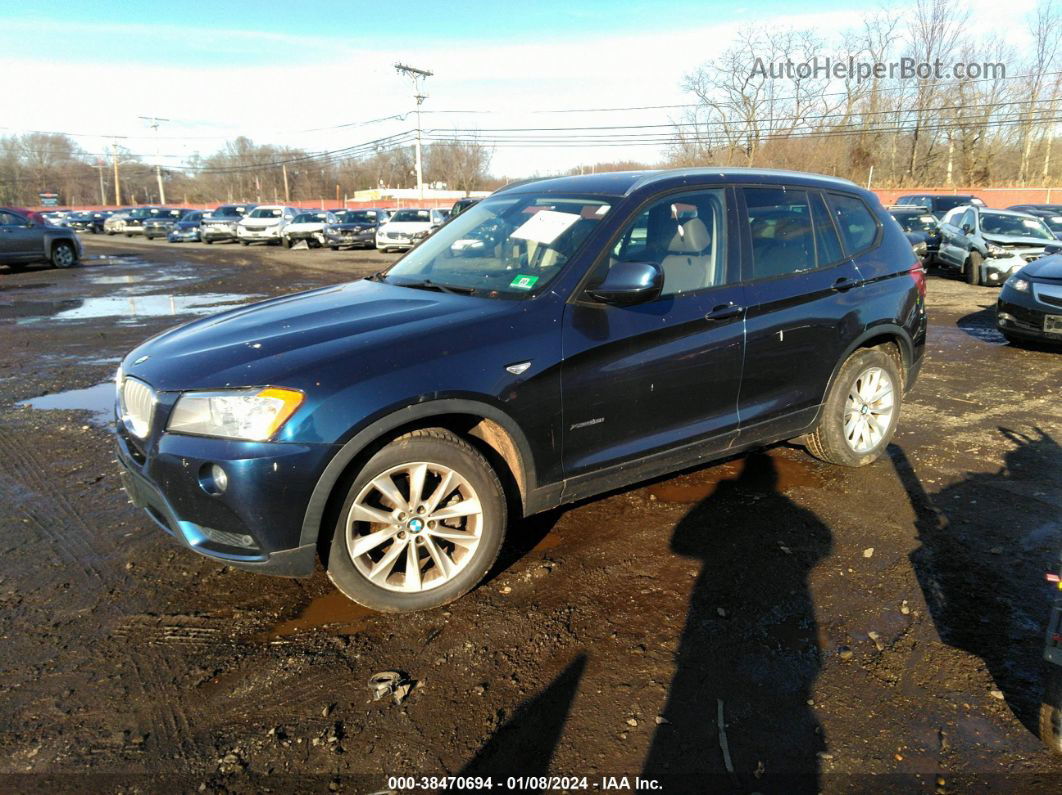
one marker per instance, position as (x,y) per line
(857,224)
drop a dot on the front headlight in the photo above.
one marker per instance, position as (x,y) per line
(1021,285)
(997,251)
(250,414)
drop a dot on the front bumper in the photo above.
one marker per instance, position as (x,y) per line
(257,236)
(351,239)
(1022,314)
(383,242)
(214,232)
(178,235)
(256,524)
(996,270)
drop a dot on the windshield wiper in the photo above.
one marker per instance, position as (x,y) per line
(428,284)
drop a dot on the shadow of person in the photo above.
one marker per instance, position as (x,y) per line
(750,641)
(985,543)
(524,745)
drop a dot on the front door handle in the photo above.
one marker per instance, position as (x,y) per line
(724,311)
(844,283)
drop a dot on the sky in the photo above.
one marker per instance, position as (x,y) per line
(289,72)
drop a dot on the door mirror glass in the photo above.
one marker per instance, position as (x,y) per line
(966,229)
(628,283)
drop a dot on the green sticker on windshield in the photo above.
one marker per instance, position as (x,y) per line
(522,282)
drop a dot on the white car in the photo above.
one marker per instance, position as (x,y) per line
(265,224)
(308,226)
(400,230)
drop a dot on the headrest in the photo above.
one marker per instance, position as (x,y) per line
(690,238)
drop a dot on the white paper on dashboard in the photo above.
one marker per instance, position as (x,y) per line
(545,226)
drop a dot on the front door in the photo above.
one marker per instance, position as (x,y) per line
(20,238)
(643,379)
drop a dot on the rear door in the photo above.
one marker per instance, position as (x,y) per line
(803,300)
(658,375)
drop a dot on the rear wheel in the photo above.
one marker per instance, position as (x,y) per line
(421,524)
(973,268)
(244,243)
(63,255)
(207,240)
(859,416)
(286,241)
(1051,711)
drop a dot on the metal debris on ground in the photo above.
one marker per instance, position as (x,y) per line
(390,683)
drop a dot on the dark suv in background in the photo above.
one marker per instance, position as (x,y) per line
(940,203)
(220,223)
(603,330)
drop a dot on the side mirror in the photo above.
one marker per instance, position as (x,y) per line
(966,229)
(629,283)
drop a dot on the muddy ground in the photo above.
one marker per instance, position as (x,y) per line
(879,628)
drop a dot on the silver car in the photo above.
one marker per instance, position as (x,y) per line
(23,241)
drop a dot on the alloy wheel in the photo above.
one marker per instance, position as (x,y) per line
(868,410)
(414,527)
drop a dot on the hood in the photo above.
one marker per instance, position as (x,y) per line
(1015,240)
(261,221)
(291,341)
(354,225)
(1049,267)
(405,226)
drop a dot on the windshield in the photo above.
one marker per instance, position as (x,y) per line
(357,217)
(910,222)
(266,212)
(508,245)
(309,218)
(227,212)
(412,215)
(1054,222)
(1014,226)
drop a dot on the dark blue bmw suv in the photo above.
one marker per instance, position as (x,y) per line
(559,339)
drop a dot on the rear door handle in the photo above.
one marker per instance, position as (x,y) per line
(844,283)
(724,311)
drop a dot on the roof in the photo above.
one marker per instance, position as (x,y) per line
(623,183)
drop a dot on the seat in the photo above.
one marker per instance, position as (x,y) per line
(686,264)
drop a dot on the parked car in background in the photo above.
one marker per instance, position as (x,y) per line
(354,228)
(55,217)
(115,223)
(990,245)
(307,225)
(940,203)
(398,232)
(921,228)
(1029,306)
(186,230)
(135,218)
(1050,214)
(1051,704)
(264,224)
(619,330)
(24,241)
(161,223)
(461,205)
(220,223)
(89,221)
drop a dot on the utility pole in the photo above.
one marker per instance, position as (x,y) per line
(117,188)
(158,168)
(416,75)
(287,193)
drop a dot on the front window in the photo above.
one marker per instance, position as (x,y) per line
(1014,226)
(1054,222)
(508,245)
(266,212)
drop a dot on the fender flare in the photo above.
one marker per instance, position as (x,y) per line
(357,444)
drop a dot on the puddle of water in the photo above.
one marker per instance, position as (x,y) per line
(140,278)
(131,307)
(333,610)
(687,489)
(98,400)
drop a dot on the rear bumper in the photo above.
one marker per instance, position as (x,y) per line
(256,524)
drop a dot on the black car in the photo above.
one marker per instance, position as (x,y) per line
(89,221)
(161,223)
(220,223)
(354,228)
(461,205)
(940,203)
(1030,304)
(921,228)
(623,326)
(1050,214)
(1051,707)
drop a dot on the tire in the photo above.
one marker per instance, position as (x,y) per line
(861,373)
(63,255)
(1051,710)
(286,242)
(208,241)
(244,243)
(439,451)
(334,248)
(973,269)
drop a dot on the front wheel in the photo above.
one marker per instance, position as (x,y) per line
(859,415)
(286,242)
(1051,711)
(63,255)
(973,268)
(244,243)
(422,523)
(206,240)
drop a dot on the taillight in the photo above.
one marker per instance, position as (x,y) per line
(918,273)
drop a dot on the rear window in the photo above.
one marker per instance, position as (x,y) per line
(858,225)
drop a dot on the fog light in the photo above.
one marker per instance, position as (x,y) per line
(1003,317)
(212,479)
